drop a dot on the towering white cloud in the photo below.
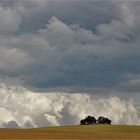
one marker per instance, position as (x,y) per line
(20,107)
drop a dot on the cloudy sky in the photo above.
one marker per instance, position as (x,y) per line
(72,50)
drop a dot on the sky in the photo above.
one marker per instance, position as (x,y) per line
(62,60)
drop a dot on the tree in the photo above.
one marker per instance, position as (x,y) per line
(103,120)
(88,120)
(82,122)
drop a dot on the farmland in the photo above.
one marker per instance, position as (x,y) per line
(93,132)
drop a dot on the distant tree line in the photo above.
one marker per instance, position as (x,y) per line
(91,120)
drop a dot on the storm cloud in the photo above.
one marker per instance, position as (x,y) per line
(68,55)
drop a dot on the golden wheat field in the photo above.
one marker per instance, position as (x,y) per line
(93,132)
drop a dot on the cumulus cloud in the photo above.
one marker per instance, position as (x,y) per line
(20,107)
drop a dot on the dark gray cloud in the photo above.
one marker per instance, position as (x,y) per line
(85,45)
(85,13)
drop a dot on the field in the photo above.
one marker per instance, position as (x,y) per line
(93,132)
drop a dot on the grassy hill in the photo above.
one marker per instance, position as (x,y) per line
(93,132)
